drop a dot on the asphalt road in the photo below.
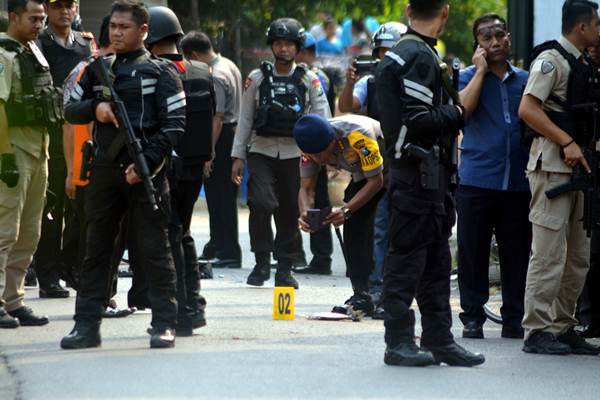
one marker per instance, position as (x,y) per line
(243,353)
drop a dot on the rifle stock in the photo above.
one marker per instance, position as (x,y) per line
(134,147)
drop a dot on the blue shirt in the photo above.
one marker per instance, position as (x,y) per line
(324,46)
(361,90)
(492,156)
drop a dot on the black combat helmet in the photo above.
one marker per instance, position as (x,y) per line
(287,29)
(163,23)
(388,35)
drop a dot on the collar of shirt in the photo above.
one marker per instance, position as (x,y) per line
(568,46)
(215,60)
(68,43)
(130,55)
(275,73)
(429,40)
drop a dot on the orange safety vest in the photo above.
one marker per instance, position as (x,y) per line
(81,134)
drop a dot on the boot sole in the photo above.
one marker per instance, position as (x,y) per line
(255,283)
(404,362)
(460,363)
(9,326)
(79,347)
(537,350)
(161,344)
(54,295)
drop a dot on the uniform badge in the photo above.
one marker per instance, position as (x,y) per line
(316,84)
(547,67)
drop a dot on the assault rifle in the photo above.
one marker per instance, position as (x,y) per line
(134,147)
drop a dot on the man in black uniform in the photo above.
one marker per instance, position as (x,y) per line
(153,93)
(419,122)
(64,49)
(185,178)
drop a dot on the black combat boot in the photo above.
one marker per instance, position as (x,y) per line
(82,336)
(162,338)
(408,354)
(6,321)
(455,355)
(284,278)
(261,271)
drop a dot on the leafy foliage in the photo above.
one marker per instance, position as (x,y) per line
(220,18)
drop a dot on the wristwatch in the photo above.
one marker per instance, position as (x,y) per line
(347,212)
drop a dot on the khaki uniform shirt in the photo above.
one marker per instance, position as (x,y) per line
(549,75)
(228,88)
(283,148)
(31,140)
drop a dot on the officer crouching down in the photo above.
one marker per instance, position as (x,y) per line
(153,94)
(420,123)
(349,143)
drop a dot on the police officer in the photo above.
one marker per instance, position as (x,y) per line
(193,149)
(25,90)
(559,78)
(221,193)
(155,102)
(275,97)
(321,243)
(64,49)
(348,143)
(360,96)
(419,121)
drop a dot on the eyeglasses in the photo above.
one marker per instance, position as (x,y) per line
(486,34)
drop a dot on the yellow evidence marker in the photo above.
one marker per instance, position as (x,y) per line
(283,303)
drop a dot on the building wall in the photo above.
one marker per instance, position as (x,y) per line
(92,12)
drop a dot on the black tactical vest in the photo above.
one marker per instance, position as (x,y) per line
(282,101)
(196,143)
(62,60)
(576,122)
(372,101)
(39,103)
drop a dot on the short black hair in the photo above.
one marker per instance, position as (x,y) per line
(18,6)
(103,37)
(575,12)
(195,41)
(138,10)
(485,18)
(426,9)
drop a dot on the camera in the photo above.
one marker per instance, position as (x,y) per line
(365,65)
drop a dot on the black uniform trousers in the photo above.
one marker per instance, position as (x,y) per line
(54,253)
(358,238)
(109,197)
(321,243)
(221,199)
(481,213)
(418,261)
(273,187)
(184,194)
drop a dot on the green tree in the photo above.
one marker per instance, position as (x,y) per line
(242,24)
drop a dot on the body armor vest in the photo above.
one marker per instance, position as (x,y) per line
(196,142)
(39,103)
(372,101)
(282,101)
(576,122)
(62,60)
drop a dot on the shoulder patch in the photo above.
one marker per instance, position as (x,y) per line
(316,85)
(367,149)
(547,67)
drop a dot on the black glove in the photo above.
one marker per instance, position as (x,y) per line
(9,173)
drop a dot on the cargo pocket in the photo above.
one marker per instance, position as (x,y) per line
(546,220)
(9,197)
(413,223)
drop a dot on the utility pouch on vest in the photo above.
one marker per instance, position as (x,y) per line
(429,165)
(281,103)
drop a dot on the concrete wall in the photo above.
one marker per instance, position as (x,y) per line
(92,12)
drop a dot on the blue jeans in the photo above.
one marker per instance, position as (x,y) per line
(380,243)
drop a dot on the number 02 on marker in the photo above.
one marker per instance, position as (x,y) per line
(283,303)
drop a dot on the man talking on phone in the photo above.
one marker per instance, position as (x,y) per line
(351,143)
(493,195)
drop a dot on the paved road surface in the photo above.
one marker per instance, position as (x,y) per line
(243,353)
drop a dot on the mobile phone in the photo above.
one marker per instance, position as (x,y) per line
(316,216)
